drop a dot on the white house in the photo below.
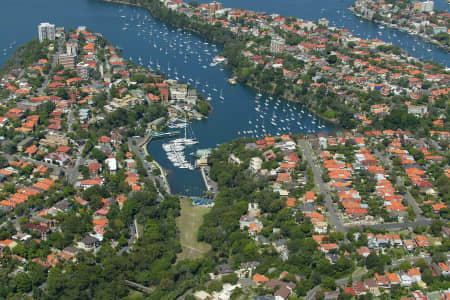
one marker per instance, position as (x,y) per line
(233,159)
(57,158)
(255,164)
(406,280)
(88,243)
(111,162)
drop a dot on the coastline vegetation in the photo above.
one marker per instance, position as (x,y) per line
(151,262)
(203,107)
(27,54)
(325,105)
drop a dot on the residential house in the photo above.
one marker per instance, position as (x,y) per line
(406,280)
(382,281)
(87,183)
(372,285)
(89,243)
(414,274)
(363,251)
(421,241)
(255,164)
(59,159)
(359,288)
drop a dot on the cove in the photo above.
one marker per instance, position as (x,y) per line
(238,112)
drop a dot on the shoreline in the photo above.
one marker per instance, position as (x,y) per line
(294,100)
(205,180)
(161,169)
(290,99)
(123,2)
(402,29)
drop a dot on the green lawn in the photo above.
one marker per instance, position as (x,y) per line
(134,295)
(359,272)
(188,223)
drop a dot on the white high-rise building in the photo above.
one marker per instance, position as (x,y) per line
(427,6)
(72,47)
(277,45)
(46,32)
(83,70)
(323,22)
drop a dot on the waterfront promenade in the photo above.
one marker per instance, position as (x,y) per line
(239,101)
(141,152)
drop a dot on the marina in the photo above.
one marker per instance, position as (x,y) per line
(156,135)
(175,150)
(254,114)
(166,176)
(237,111)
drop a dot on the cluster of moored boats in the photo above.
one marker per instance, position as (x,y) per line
(175,148)
(280,117)
(266,116)
(11,45)
(175,152)
(178,46)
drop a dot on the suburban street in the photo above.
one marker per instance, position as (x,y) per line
(11,158)
(317,171)
(334,218)
(344,281)
(135,149)
(70,172)
(398,262)
(212,187)
(408,197)
(396,226)
(134,235)
(311,295)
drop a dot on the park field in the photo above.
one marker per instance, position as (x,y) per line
(188,223)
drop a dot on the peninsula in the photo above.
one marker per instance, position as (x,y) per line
(416,18)
(335,74)
(75,184)
(85,213)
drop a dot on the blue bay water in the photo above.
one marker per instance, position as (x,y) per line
(336,11)
(239,112)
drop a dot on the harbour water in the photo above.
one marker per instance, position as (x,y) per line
(180,54)
(336,11)
(19,19)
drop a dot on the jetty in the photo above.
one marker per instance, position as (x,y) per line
(209,187)
(158,134)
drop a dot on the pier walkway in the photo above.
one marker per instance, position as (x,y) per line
(210,185)
(163,175)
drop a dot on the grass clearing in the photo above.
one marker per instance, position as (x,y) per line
(189,222)
(359,272)
(140,229)
(134,295)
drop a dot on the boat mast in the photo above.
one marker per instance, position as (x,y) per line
(185,123)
